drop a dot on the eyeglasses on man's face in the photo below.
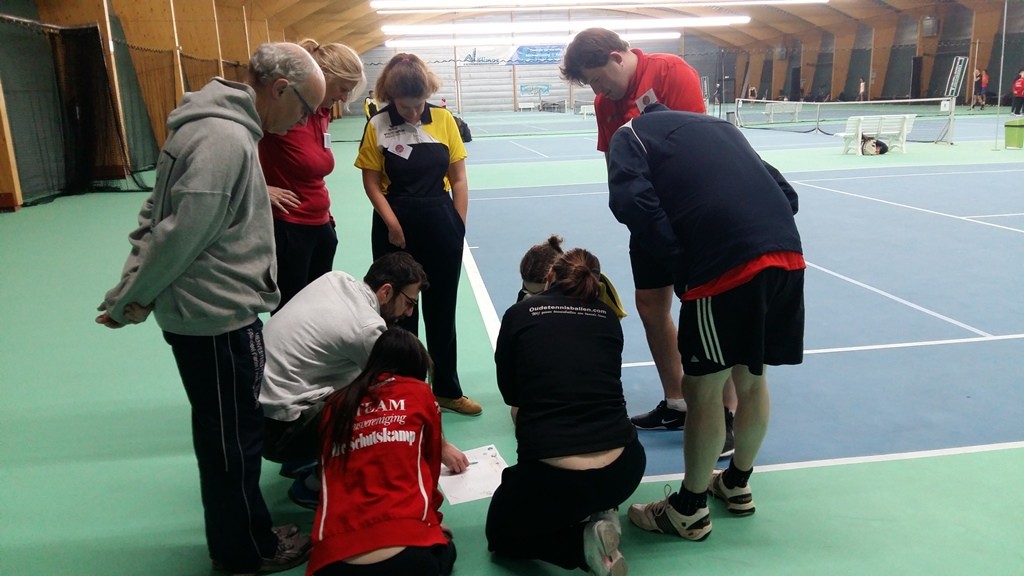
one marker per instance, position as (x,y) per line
(413,302)
(305,105)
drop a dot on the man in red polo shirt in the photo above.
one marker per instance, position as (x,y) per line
(625,82)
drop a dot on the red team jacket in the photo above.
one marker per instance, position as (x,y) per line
(387,494)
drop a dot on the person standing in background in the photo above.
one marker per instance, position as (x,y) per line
(980,84)
(295,166)
(202,261)
(1018,93)
(369,105)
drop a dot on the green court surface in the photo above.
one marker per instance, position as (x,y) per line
(99,478)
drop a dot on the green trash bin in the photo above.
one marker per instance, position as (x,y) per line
(1015,133)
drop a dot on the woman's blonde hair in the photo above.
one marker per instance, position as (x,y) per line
(406,76)
(337,60)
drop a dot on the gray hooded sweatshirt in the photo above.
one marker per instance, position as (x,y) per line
(203,253)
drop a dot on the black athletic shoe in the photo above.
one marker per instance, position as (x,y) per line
(730,441)
(661,417)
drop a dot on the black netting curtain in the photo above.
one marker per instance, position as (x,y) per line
(198,71)
(64,124)
(897,77)
(93,147)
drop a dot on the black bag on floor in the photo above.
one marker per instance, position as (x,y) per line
(467,136)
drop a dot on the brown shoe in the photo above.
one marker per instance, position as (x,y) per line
(461,405)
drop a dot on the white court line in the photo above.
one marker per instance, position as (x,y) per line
(996,215)
(900,300)
(528,148)
(901,175)
(526,186)
(867,347)
(861,459)
(483,299)
(961,218)
(605,193)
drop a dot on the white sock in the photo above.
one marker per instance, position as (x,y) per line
(676,404)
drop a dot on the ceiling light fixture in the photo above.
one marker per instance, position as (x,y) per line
(618,24)
(428,7)
(521,40)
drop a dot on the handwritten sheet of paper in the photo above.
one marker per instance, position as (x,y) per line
(480,479)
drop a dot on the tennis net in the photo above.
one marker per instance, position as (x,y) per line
(933,121)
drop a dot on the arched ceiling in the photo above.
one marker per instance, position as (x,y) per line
(355,23)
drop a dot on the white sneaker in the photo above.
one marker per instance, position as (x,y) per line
(601,548)
(661,517)
(738,501)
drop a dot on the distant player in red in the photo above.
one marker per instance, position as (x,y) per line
(1018,93)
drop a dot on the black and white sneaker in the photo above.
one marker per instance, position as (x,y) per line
(661,417)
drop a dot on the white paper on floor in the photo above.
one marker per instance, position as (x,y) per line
(480,479)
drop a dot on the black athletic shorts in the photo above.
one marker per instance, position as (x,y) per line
(760,322)
(648,271)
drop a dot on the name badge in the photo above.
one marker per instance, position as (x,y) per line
(400,149)
(646,100)
(327,140)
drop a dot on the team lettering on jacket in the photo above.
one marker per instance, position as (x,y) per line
(566,309)
(385,407)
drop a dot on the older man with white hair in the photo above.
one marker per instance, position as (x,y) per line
(202,260)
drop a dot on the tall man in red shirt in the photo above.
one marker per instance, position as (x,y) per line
(625,82)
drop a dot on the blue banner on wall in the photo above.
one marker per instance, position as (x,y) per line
(543,54)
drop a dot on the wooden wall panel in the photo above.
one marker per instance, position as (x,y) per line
(927,48)
(233,33)
(988,20)
(881,48)
(10,182)
(810,46)
(845,38)
(148,24)
(741,80)
(152,25)
(259,33)
(196,22)
(780,78)
(756,69)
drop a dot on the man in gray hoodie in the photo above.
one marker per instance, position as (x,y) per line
(202,260)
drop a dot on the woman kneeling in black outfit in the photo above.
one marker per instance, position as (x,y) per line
(559,358)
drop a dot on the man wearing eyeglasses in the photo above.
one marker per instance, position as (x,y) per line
(202,261)
(318,343)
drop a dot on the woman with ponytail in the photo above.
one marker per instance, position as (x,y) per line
(558,359)
(379,510)
(295,166)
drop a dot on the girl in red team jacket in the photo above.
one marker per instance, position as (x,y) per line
(379,511)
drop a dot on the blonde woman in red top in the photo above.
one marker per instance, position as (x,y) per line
(295,165)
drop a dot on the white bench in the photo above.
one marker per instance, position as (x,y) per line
(785,111)
(527,106)
(895,127)
(587,109)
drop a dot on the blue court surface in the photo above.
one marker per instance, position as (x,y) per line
(912,291)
